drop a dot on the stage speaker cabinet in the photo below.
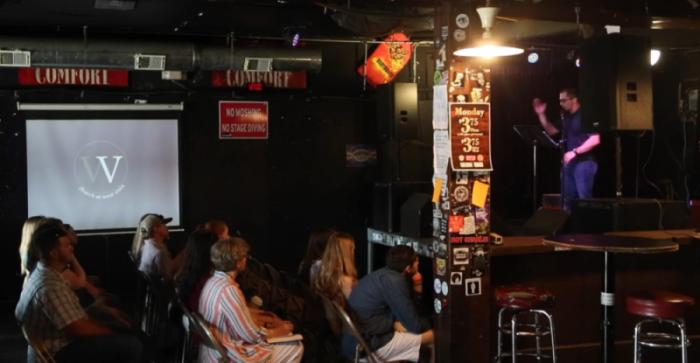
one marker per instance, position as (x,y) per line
(417,216)
(612,215)
(397,111)
(388,200)
(546,222)
(615,88)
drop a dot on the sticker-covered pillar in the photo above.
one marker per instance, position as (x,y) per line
(461,200)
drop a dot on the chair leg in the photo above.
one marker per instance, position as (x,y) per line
(637,346)
(357,354)
(513,336)
(499,355)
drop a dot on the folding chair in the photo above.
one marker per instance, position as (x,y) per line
(296,300)
(202,328)
(257,268)
(40,352)
(349,328)
(280,296)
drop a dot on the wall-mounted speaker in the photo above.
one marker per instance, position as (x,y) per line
(397,111)
(615,83)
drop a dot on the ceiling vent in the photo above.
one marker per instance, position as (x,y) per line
(115,4)
(15,58)
(257,64)
(149,62)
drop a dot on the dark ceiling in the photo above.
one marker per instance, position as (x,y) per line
(679,19)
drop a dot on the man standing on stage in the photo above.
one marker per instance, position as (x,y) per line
(580,165)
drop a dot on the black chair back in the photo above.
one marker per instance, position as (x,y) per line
(332,308)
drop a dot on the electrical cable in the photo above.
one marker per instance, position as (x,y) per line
(651,152)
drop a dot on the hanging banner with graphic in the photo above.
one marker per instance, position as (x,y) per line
(79,77)
(273,79)
(387,61)
(243,120)
(470,136)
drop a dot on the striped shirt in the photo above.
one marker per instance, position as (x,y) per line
(223,305)
(47,305)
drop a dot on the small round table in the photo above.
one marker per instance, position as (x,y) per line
(608,244)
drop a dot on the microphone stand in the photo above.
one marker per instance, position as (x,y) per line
(562,152)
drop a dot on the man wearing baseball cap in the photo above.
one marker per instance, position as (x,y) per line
(155,259)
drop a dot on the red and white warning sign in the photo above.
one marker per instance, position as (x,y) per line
(243,120)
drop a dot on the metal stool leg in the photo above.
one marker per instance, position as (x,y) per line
(552,334)
(637,346)
(513,336)
(500,337)
(684,345)
(537,335)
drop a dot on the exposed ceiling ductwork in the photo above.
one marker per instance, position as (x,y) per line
(111,54)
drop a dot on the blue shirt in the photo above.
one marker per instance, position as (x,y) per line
(378,299)
(571,129)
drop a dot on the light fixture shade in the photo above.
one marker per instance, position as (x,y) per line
(488,51)
(655,55)
(488,17)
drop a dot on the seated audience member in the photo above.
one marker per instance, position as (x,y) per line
(139,237)
(28,229)
(338,275)
(314,252)
(154,257)
(50,307)
(219,228)
(380,298)
(196,268)
(222,304)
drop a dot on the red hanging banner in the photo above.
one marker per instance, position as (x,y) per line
(387,60)
(78,77)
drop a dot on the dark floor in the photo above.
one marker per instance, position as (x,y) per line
(13,348)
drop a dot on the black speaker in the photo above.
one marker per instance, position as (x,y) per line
(417,216)
(615,83)
(397,111)
(631,214)
(388,199)
(546,222)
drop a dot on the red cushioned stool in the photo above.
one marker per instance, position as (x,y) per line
(522,300)
(660,307)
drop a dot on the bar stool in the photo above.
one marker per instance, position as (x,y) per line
(661,307)
(521,300)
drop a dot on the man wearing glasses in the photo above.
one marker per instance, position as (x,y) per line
(580,165)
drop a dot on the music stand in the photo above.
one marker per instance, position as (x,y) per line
(535,136)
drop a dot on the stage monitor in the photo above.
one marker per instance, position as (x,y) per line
(103,174)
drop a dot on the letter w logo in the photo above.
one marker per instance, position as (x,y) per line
(103,163)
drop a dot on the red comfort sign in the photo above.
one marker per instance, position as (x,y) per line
(82,77)
(243,120)
(274,79)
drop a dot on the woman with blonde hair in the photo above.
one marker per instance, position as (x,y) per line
(30,225)
(338,274)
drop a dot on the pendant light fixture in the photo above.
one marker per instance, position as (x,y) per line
(487,47)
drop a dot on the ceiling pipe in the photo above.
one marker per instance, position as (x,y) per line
(180,56)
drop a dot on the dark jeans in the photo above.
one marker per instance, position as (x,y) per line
(114,348)
(578,179)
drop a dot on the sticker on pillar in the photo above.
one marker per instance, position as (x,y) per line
(461,98)
(437,213)
(476,272)
(443,226)
(469,226)
(456,224)
(445,78)
(441,266)
(445,289)
(480,257)
(462,21)
(437,285)
(456,278)
(445,206)
(461,193)
(438,306)
(458,80)
(444,32)
(443,249)
(461,255)
(436,246)
(460,35)
(437,77)
(473,286)
(462,178)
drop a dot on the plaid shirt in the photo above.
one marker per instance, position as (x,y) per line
(48,305)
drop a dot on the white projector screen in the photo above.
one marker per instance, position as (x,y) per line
(103,174)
